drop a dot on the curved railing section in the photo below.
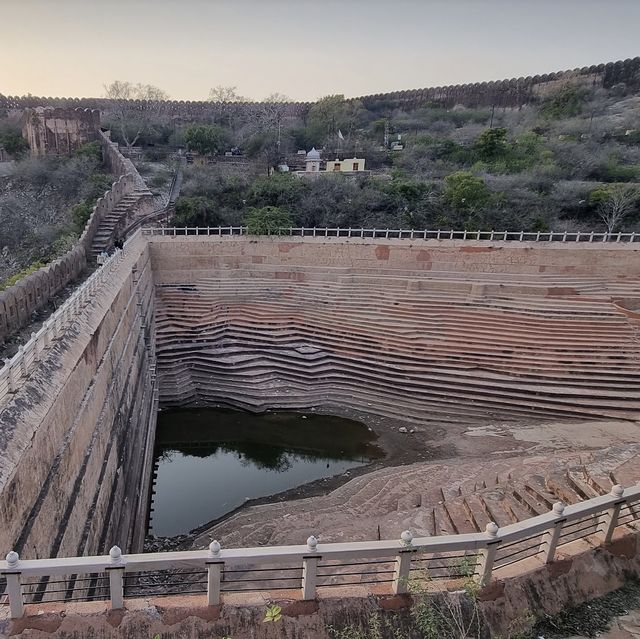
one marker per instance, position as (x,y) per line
(318,566)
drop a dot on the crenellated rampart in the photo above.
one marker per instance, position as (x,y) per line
(512,92)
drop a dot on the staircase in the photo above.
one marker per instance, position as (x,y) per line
(124,212)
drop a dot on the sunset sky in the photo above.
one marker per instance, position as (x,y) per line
(302,48)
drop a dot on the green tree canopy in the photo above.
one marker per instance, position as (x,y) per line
(268,220)
(464,191)
(206,139)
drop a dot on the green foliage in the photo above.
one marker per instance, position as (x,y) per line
(465,192)
(91,150)
(196,211)
(206,139)
(11,138)
(566,103)
(332,114)
(281,190)
(10,281)
(273,613)
(268,220)
(491,145)
(614,171)
(80,214)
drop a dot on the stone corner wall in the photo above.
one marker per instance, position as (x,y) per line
(59,130)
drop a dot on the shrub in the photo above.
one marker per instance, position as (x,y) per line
(196,211)
(80,214)
(566,103)
(268,220)
(465,192)
(91,150)
(207,139)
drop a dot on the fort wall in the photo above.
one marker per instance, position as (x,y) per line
(77,434)
(513,92)
(20,301)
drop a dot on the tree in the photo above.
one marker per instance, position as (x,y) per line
(614,203)
(11,138)
(491,145)
(137,108)
(264,145)
(225,94)
(465,192)
(196,211)
(206,139)
(332,114)
(268,220)
(222,98)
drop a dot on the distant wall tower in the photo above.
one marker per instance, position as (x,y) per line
(59,131)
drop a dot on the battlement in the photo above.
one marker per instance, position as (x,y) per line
(511,92)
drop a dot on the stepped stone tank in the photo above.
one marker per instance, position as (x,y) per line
(441,333)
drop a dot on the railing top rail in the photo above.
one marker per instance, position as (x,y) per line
(413,234)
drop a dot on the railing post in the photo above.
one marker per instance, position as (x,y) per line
(22,361)
(488,555)
(14,586)
(403,564)
(591,236)
(521,235)
(310,570)
(491,236)
(609,519)
(564,237)
(115,572)
(214,574)
(550,538)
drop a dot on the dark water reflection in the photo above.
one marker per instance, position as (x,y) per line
(210,461)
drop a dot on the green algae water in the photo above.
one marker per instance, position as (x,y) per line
(210,461)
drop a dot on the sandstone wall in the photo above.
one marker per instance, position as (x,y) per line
(504,93)
(77,436)
(437,331)
(59,131)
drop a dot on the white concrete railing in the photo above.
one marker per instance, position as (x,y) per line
(538,537)
(503,236)
(22,363)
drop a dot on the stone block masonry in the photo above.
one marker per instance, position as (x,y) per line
(447,332)
(437,331)
(77,434)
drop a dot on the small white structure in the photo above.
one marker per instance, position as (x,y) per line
(312,161)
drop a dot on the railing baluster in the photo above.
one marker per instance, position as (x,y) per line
(403,564)
(310,570)
(550,538)
(14,586)
(488,555)
(214,574)
(116,583)
(609,519)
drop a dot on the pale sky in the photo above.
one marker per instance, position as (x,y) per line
(302,48)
